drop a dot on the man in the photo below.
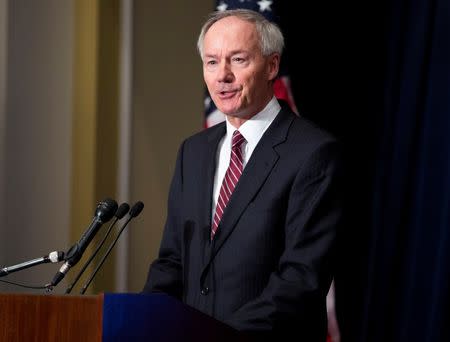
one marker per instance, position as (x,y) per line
(254,202)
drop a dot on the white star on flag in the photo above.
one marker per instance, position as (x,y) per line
(264,5)
(207,102)
(222,6)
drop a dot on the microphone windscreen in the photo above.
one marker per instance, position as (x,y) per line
(106,209)
(136,209)
(122,211)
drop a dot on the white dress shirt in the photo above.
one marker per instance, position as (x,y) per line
(252,130)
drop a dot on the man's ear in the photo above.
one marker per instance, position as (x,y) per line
(273,66)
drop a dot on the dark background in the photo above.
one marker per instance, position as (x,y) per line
(376,74)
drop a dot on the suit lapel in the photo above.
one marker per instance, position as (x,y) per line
(205,208)
(259,166)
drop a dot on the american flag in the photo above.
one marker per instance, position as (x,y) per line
(282,86)
(282,89)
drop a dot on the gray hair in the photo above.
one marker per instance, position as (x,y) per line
(271,39)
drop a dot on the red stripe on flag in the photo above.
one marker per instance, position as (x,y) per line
(282,90)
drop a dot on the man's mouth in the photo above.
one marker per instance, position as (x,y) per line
(226,94)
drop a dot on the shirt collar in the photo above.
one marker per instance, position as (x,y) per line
(253,129)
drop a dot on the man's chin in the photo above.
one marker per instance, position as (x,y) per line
(235,112)
(237,115)
(230,111)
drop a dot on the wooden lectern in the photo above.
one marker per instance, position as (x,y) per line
(105,317)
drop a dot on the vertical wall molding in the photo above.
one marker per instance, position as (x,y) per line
(95,115)
(124,160)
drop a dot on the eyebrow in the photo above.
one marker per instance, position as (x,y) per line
(209,55)
(232,53)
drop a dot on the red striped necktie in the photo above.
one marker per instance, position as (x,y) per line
(230,180)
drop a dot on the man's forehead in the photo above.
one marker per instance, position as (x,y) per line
(232,23)
(231,32)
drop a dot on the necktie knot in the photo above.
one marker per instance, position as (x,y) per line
(237,140)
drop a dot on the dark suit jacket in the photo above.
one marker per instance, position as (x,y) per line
(269,265)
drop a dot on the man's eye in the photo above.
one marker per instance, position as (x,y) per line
(238,59)
(211,62)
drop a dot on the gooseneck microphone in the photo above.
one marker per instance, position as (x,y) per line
(104,212)
(120,213)
(53,257)
(135,211)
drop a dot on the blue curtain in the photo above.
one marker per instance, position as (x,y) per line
(407,294)
(377,75)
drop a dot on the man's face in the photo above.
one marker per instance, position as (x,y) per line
(236,73)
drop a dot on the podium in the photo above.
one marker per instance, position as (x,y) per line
(106,317)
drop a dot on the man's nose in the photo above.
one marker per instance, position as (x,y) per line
(225,74)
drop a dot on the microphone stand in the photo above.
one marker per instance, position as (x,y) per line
(88,282)
(135,211)
(123,209)
(53,257)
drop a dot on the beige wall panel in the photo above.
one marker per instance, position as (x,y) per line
(3,44)
(94,127)
(167,107)
(107,131)
(38,135)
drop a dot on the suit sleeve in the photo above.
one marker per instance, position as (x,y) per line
(165,273)
(296,291)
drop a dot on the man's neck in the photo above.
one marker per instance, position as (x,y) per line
(238,121)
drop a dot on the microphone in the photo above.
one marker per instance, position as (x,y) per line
(120,213)
(53,257)
(103,213)
(135,211)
